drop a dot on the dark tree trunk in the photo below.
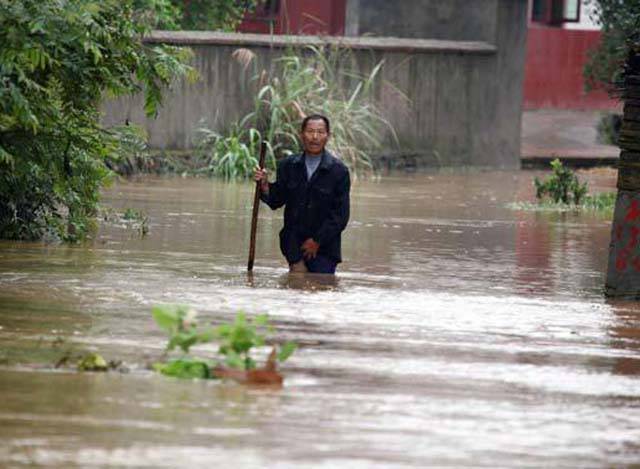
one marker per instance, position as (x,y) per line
(623,272)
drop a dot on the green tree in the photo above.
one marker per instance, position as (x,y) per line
(620,22)
(58,59)
(218,15)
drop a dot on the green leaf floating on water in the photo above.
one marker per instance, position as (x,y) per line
(184,369)
(92,362)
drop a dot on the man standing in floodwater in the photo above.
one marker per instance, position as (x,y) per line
(314,188)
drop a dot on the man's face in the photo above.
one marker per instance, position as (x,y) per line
(314,137)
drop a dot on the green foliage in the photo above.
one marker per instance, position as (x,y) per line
(133,214)
(138,220)
(609,127)
(93,362)
(604,201)
(219,15)
(180,323)
(620,21)
(303,83)
(229,156)
(57,61)
(224,15)
(158,14)
(132,219)
(237,340)
(562,186)
(184,368)
(286,351)
(566,193)
(130,153)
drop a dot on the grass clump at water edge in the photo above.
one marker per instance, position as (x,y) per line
(601,202)
(562,191)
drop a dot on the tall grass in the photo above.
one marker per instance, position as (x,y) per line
(300,83)
(233,155)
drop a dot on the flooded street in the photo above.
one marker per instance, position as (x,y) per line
(458,333)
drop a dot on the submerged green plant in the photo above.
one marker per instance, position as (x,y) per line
(180,323)
(58,61)
(92,362)
(133,219)
(562,186)
(185,368)
(602,202)
(237,341)
(238,338)
(563,191)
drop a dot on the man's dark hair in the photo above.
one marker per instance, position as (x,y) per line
(316,117)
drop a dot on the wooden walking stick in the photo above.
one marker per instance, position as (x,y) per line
(256,206)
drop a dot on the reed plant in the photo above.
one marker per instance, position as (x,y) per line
(230,156)
(301,82)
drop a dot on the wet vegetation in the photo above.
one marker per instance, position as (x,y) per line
(131,219)
(620,23)
(300,83)
(603,202)
(240,344)
(563,186)
(237,342)
(563,191)
(222,15)
(58,60)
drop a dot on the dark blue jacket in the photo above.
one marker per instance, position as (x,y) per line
(318,208)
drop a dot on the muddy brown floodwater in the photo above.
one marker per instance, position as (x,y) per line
(457,333)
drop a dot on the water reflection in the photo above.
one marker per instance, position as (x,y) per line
(309,282)
(625,337)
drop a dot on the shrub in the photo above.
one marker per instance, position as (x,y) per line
(562,186)
(620,23)
(57,61)
(231,156)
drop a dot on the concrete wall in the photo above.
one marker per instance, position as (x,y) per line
(493,86)
(459,20)
(464,88)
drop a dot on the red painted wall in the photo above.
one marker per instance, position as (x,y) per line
(553,70)
(554,61)
(321,17)
(313,17)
